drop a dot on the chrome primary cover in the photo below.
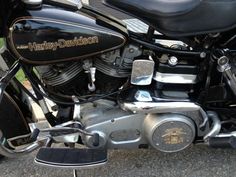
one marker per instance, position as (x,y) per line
(169,132)
(118,129)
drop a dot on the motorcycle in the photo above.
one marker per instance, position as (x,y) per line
(114,88)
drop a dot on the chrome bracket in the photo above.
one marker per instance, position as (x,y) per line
(76,114)
(91,85)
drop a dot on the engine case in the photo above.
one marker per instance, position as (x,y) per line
(120,129)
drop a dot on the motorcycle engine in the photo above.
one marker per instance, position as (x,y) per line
(73,78)
(165,131)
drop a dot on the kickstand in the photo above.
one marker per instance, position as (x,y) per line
(75,173)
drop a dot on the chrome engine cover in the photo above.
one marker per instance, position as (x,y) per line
(169,132)
(119,129)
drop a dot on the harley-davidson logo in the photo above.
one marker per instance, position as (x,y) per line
(174,136)
(59,44)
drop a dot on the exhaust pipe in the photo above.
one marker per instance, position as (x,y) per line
(216,125)
(216,140)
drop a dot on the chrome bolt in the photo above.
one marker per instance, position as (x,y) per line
(173,61)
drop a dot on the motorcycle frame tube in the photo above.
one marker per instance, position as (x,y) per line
(5,83)
(5,80)
(4,150)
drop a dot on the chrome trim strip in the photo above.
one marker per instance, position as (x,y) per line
(175,78)
(159,107)
(74,3)
(165,107)
(72,166)
(32,2)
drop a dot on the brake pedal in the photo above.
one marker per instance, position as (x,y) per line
(71,158)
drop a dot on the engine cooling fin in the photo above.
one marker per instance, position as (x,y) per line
(119,72)
(59,76)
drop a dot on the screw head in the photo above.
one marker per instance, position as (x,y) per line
(173,61)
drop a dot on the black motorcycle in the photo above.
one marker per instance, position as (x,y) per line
(114,88)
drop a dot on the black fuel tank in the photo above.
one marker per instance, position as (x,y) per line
(51,35)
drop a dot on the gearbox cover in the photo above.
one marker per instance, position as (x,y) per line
(169,132)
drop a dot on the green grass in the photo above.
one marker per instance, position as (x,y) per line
(1,42)
(20,76)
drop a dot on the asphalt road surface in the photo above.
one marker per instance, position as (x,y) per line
(197,161)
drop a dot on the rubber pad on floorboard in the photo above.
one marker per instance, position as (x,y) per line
(71,157)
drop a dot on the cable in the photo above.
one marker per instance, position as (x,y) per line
(167,50)
(26,91)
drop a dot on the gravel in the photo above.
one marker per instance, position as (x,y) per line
(197,161)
